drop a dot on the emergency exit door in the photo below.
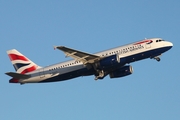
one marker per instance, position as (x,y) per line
(148,46)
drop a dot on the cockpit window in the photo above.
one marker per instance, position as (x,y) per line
(159,40)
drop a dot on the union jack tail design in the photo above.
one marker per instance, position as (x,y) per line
(21,63)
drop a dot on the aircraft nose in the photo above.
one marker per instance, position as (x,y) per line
(170,44)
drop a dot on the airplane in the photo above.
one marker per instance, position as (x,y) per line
(113,62)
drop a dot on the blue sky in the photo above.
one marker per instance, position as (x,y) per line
(34,27)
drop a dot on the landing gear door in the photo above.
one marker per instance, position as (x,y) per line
(41,73)
(118,57)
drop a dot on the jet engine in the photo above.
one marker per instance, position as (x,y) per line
(121,72)
(110,61)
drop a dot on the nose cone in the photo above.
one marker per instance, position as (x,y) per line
(170,45)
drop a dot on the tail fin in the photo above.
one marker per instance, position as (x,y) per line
(21,63)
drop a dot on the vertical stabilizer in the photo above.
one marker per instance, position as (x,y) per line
(21,63)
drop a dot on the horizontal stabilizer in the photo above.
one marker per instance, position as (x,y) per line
(17,75)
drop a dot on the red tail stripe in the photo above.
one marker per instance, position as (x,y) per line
(17,57)
(29,70)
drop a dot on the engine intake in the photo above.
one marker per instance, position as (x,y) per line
(121,72)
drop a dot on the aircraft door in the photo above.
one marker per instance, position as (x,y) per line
(148,46)
(41,73)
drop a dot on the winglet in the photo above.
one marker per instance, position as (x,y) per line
(58,47)
(55,47)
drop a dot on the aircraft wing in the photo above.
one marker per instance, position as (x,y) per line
(78,55)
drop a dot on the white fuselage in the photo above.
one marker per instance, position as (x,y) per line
(137,50)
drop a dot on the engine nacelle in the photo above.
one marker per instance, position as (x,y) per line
(111,61)
(121,72)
